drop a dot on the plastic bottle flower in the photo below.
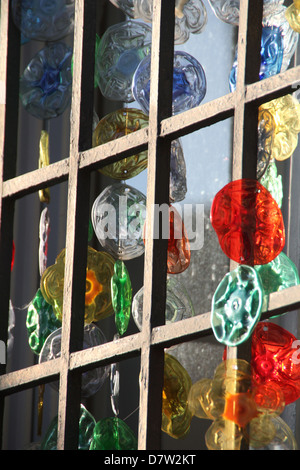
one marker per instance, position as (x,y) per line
(275,16)
(248,222)
(100,268)
(117,124)
(292,14)
(121,49)
(283,439)
(271,55)
(113,434)
(276,52)
(229,10)
(233,403)
(275,359)
(190,15)
(46,83)
(237,305)
(189,83)
(286,115)
(176,415)
(86,427)
(178,303)
(44,20)
(226,10)
(91,380)
(118,215)
(40,322)
(279,274)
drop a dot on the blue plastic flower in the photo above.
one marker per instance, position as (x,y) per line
(271,55)
(44,20)
(46,83)
(189,83)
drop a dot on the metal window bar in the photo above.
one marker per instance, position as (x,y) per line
(163,128)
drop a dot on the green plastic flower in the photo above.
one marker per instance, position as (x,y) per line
(237,305)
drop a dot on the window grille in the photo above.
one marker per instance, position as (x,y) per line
(149,343)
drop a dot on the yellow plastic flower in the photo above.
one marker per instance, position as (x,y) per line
(100,268)
(176,416)
(286,114)
(117,124)
(292,14)
(233,402)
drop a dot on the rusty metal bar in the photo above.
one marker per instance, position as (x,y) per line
(77,229)
(152,359)
(246,114)
(34,180)
(245,135)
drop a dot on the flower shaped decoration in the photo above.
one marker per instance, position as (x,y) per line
(118,215)
(248,222)
(226,10)
(237,305)
(121,49)
(46,83)
(176,415)
(178,303)
(284,438)
(92,380)
(100,268)
(278,44)
(87,423)
(189,83)
(271,53)
(275,359)
(40,322)
(275,16)
(123,122)
(118,124)
(44,20)
(286,115)
(113,434)
(293,16)
(233,403)
(190,15)
(279,274)
(229,10)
